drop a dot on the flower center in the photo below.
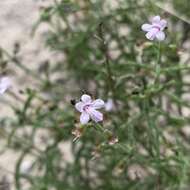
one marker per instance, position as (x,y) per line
(86,107)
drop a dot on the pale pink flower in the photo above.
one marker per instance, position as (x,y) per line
(88,107)
(109,105)
(155,29)
(5,84)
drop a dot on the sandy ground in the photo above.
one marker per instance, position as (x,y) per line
(17,18)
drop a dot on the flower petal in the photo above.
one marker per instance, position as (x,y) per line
(156,19)
(95,115)
(163,24)
(160,36)
(146,27)
(151,34)
(109,105)
(97,104)
(84,118)
(5,83)
(79,106)
(86,98)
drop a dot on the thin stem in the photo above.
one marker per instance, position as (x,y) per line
(105,132)
(157,66)
(21,66)
(104,50)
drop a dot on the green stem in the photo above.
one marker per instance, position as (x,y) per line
(157,66)
(104,50)
(105,132)
(21,66)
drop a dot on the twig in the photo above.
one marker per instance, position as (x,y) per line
(104,49)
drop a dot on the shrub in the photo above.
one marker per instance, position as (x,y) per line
(141,142)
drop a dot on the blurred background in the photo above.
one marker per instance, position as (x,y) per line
(17,19)
(52,51)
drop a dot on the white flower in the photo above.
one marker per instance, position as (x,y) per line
(88,107)
(155,29)
(25,167)
(5,83)
(109,105)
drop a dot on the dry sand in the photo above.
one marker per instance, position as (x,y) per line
(17,17)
